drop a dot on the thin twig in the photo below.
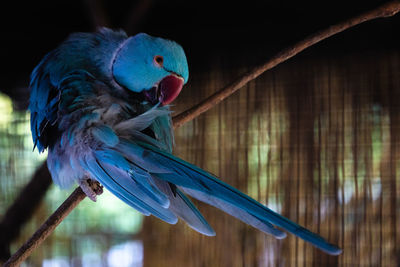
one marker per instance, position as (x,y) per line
(47,228)
(22,209)
(386,10)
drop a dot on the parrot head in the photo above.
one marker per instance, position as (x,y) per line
(153,66)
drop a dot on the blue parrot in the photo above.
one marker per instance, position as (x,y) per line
(99,104)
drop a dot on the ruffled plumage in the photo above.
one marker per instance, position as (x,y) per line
(94,128)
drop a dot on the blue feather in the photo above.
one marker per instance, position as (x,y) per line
(196,220)
(184,208)
(191,177)
(114,188)
(127,190)
(106,135)
(138,175)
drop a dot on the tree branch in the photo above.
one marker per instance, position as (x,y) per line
(386,10)
(22,209)
(47,228)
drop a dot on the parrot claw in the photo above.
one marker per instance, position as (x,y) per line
(91,188)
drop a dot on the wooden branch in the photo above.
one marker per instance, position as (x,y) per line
(22,209)
(47,228)
(386,10)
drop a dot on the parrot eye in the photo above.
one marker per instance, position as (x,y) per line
(159,60)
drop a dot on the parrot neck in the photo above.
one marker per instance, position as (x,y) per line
(111,64)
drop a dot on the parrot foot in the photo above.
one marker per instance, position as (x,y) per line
(91,188)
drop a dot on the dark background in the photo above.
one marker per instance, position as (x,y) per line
(328,119)
(243,32)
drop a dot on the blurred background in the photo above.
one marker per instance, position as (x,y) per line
(317,138)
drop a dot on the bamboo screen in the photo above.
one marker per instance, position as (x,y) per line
(316,140)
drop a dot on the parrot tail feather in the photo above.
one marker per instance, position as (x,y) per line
(236,212)
(206,187)
(120,183)
(142,190)
(181,206)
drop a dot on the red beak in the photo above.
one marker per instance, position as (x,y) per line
(166,90)
(169,88)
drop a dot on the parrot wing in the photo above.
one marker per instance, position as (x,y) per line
(207,188)
(114,163)
(142,190)
(51,95)
(43,104)
(71,108)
